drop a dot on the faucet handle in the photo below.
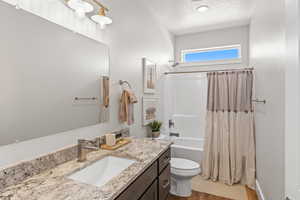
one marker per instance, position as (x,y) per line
(95,142)
(98,141)
(82,141)
(171,123)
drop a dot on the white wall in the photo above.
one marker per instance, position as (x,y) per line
(134,34)
(132,37)
(267,55)
(292,96)
(221,37)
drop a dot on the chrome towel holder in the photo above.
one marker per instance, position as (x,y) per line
(85,98)
(122,82)
(259,101)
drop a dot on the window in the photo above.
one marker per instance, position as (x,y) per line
(215,55)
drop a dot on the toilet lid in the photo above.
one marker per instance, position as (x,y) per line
(180,163)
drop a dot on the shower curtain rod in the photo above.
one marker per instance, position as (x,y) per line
(205,71)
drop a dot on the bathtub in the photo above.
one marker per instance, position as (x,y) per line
(188,148)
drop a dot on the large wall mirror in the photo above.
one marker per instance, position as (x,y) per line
(43,68)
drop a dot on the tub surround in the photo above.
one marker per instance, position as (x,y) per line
(185,147)
(54,184)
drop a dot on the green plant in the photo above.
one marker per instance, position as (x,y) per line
(155,125)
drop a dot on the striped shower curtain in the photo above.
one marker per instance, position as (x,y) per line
(229,149)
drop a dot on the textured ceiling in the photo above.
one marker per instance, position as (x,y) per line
(180,16)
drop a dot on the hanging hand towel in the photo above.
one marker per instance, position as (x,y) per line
(126,110)
(104,104)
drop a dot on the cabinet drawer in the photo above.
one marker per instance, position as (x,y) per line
(138,187)
(151,193)
(164,160)
(164,183)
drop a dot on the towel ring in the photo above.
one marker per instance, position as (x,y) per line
(121,82)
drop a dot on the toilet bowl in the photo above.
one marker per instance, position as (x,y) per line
(182,172)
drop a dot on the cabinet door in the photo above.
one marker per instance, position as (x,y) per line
(138,187)
(164,183)
(151,193)
(164,160)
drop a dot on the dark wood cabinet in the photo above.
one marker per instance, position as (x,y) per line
(164,160)
(140,185)
(151,193)
(164,183)
(153,183)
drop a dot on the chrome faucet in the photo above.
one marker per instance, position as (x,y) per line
(85,146)
(171,123)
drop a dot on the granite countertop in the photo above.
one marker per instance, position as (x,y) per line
(54,184)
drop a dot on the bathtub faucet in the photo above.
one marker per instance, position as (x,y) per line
(171,123)
(174,134)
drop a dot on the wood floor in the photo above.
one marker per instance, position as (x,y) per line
(251,194)
(198,196)
(203,196)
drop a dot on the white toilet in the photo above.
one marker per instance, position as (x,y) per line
(182,172)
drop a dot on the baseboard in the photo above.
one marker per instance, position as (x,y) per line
(259,191)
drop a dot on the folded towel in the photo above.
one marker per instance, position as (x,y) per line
(132,97)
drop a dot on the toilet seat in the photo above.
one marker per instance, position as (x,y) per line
(184,167)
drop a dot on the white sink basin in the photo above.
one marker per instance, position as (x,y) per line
(102,171)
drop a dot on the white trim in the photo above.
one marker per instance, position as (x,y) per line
(186,115)
(189,138)
(186,147)
(226,61)
(219,62)
(259,191)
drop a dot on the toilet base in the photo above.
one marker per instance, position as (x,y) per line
(181,186)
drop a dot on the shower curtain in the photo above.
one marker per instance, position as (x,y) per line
(229,149)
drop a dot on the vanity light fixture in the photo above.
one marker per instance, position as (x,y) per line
(80,7)
(202,8)
(101,19)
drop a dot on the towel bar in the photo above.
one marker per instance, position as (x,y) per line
(259,101)
(85,98)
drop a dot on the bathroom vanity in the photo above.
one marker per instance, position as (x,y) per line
(146,177)
(153,183)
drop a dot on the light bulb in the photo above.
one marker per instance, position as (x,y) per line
(101,20)
(202,8)
(80,7)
